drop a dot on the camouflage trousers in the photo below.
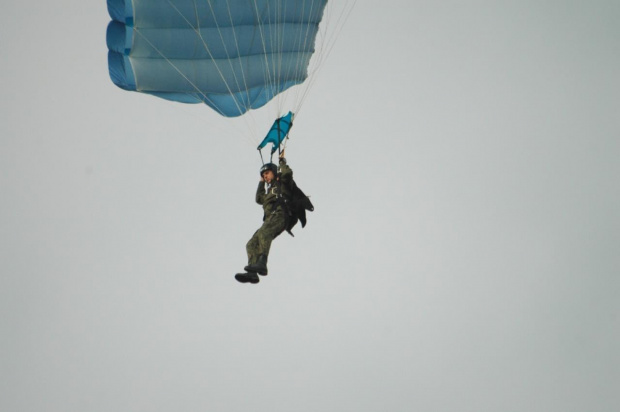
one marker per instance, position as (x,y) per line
(260,243)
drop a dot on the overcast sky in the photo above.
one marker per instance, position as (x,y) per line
(464,255)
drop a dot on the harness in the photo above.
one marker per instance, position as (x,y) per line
(280,199)
(293,207)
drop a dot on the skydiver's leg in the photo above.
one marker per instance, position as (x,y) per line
(252,248)
(270,230)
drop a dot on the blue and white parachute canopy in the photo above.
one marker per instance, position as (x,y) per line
(278,132)
(233,55)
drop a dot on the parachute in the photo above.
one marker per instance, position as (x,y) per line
(232,55)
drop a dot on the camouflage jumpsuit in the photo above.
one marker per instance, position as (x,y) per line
(271,197)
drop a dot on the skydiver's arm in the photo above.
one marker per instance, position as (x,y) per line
(260,192)
(286,173)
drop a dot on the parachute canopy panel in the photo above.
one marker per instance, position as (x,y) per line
(233,55)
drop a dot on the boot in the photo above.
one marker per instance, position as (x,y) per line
(259,267)
(250,277)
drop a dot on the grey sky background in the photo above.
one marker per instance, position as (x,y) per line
(463,255)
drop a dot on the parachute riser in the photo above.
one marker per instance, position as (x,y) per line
(261,157)
(280,145)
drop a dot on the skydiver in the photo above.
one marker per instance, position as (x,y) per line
(274,193)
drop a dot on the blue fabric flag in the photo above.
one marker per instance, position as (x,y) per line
(278,132)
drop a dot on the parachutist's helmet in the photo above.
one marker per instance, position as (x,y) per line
(269,166)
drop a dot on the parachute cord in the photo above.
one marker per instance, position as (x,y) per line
(289,132)
(285,142)
(197,31)
(135,29)
(180,72)
(281,39)
(267,74)
(303,91)
(303,45)
(279,131)
(245,99)
(219,30)
(270,19)
(327,44)
(245,84)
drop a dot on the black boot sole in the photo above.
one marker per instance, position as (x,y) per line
(247,278)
